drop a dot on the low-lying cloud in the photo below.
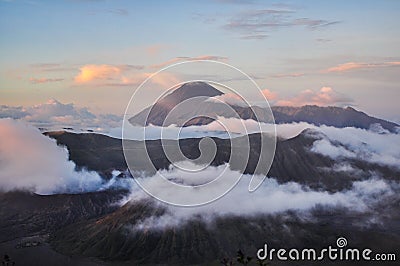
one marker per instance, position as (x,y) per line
(33,162)
(341,144)
(270,197)
(366,145)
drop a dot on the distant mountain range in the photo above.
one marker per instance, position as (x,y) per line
(210,110)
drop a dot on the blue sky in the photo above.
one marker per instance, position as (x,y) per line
(290,47)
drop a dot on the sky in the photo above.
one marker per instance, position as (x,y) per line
(93,54)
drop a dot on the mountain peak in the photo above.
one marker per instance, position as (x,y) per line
(190,90)
(157,113)
(313,114)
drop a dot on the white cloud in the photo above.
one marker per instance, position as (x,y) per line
(214,129)
(34,162)
(271,197)
(54,115)
(367,145)
(325,147)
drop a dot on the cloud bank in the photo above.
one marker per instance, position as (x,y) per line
(54,115)
(271,197)
(367,145)
(31,161)
(340,144)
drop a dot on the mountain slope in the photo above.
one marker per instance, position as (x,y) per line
(157,113)
(24,213)
(116,236)
(330,116)
(293,159)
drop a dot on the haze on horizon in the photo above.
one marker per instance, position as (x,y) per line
(95,53)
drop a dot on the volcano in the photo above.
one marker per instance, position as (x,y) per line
(210,110)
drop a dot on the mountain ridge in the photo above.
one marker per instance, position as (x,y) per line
(211,110)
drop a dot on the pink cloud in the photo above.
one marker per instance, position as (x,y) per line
(325,96)
(106,74)
(90,73)
(270,95)
(235,99)
(354,65)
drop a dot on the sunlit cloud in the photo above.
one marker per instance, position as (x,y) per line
(96,73)
(354,65)
(270,95)
(121,75)
(237,99)
(324,97)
